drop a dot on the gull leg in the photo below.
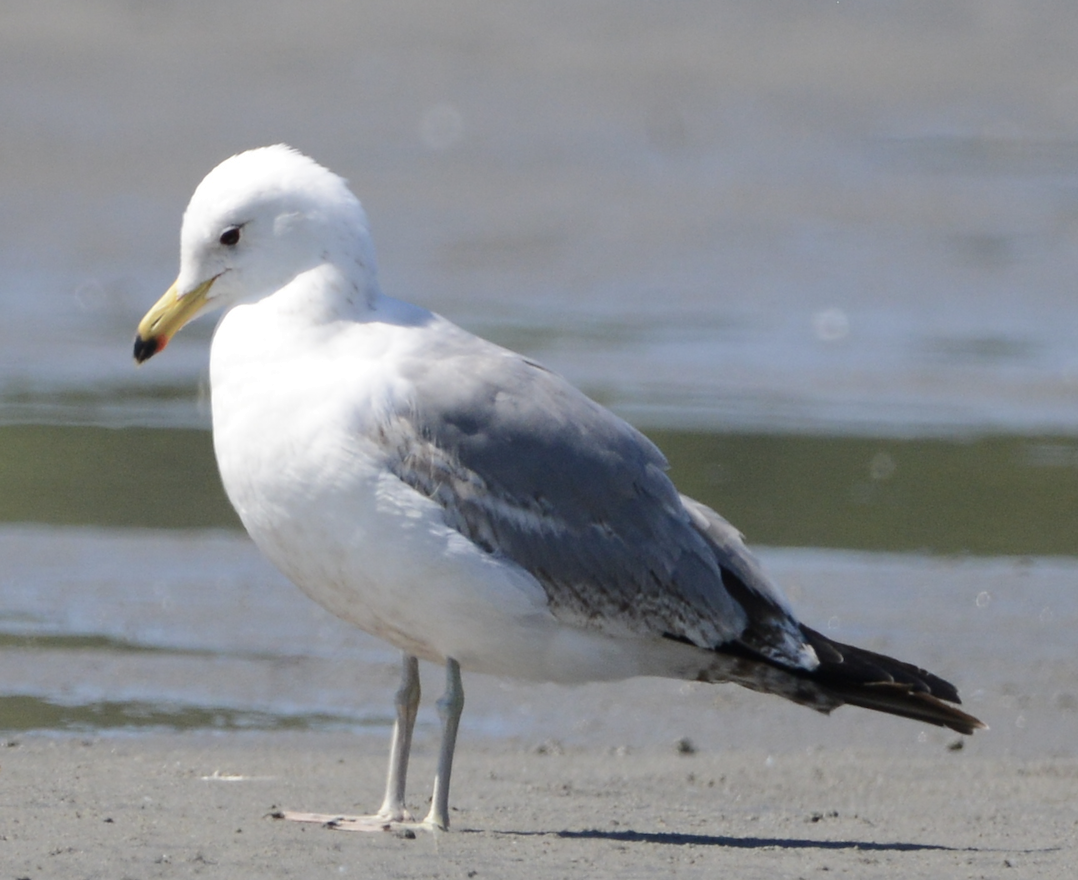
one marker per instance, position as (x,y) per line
(393,813)
(407,704)
(450,707)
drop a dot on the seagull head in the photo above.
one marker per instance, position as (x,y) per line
(257,221)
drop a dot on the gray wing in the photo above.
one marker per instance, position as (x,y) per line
(532,470)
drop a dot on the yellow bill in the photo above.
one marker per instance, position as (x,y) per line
(167,316)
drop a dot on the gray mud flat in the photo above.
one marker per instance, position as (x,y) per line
(181,805)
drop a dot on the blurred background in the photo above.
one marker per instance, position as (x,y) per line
(823,254)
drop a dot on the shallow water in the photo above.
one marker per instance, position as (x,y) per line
(825,257)
(132,600)
(126,630)
(706,213)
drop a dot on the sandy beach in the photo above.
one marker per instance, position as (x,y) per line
(179,805)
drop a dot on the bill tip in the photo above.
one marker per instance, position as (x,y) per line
(146,348)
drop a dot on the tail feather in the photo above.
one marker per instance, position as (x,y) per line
(761,659)
(876,681)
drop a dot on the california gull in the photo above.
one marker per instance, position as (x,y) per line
(458,500)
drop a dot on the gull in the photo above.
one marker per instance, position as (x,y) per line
(458,500)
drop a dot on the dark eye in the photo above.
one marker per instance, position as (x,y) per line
(230,236)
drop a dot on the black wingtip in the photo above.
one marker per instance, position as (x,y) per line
(146,348)
(884,684)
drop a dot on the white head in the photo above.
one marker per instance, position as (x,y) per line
(255,222)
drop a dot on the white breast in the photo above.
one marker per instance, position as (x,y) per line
(293,405)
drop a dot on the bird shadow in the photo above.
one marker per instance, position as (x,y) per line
(668,838)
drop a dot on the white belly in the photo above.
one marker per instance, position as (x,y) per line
(313,494)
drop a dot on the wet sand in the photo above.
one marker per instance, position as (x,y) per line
(178,805)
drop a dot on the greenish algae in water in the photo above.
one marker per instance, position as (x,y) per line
(21,713)
(994,495)
(85,475)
